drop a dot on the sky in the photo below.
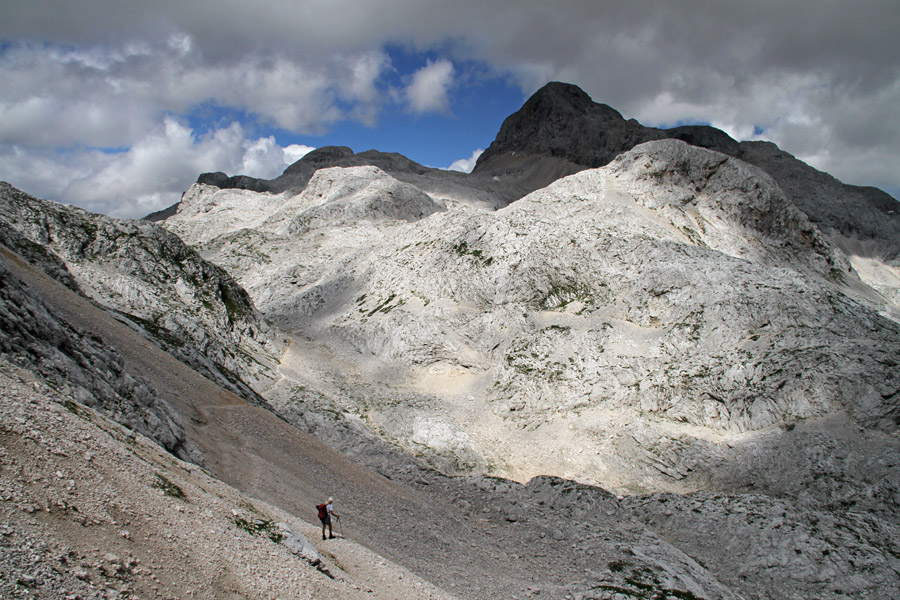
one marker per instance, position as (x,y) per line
(118,105)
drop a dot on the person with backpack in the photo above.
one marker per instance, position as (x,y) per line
(326,512)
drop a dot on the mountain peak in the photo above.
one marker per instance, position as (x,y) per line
(557,94)
(561,122)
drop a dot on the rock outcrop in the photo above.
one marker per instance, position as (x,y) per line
(142,271)
(78,364)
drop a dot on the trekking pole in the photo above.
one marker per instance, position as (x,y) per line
(341,525)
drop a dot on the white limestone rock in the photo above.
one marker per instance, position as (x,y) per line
(674,288)
(343,196)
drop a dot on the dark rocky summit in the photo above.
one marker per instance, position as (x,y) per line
(296,176)
(560,131)
(561,121)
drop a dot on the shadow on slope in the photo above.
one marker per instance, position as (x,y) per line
(267,458)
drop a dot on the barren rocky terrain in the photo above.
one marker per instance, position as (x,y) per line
(613,362)
(92,511)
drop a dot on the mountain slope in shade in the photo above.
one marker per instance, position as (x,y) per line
(157,283)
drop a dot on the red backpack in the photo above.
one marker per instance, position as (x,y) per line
(322,512)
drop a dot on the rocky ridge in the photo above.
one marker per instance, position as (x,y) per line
(684,284)
(560,130)
(156,283)
(438,183)
(675,327)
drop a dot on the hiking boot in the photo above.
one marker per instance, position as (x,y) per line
(332,537)
(323,537)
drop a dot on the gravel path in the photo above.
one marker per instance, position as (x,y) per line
(91,511)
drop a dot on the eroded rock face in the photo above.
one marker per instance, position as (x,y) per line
(860,213)
(143,271)
(688,304)
(80,366)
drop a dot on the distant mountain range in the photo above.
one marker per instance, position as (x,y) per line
(613,361)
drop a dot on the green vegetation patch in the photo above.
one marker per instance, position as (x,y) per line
(387,306)
(462,249)
(560,296)
(169,488)
(263,526)
(532,356)
(73,408)
(167,337)
(692,236)
(237,302)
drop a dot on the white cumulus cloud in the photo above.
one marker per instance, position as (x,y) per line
(429,87)
(149,175)
(111,95)
(466,165)
(265,159)
(821,81)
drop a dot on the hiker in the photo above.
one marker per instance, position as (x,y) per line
(326,512)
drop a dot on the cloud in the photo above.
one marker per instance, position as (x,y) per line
(265,159)
(429,86)
(466,165)
(109,96)
(148,176)
(823,82)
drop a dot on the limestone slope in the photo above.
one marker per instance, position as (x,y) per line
(671,327)
(674,294)
(156,283)
(560,130)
